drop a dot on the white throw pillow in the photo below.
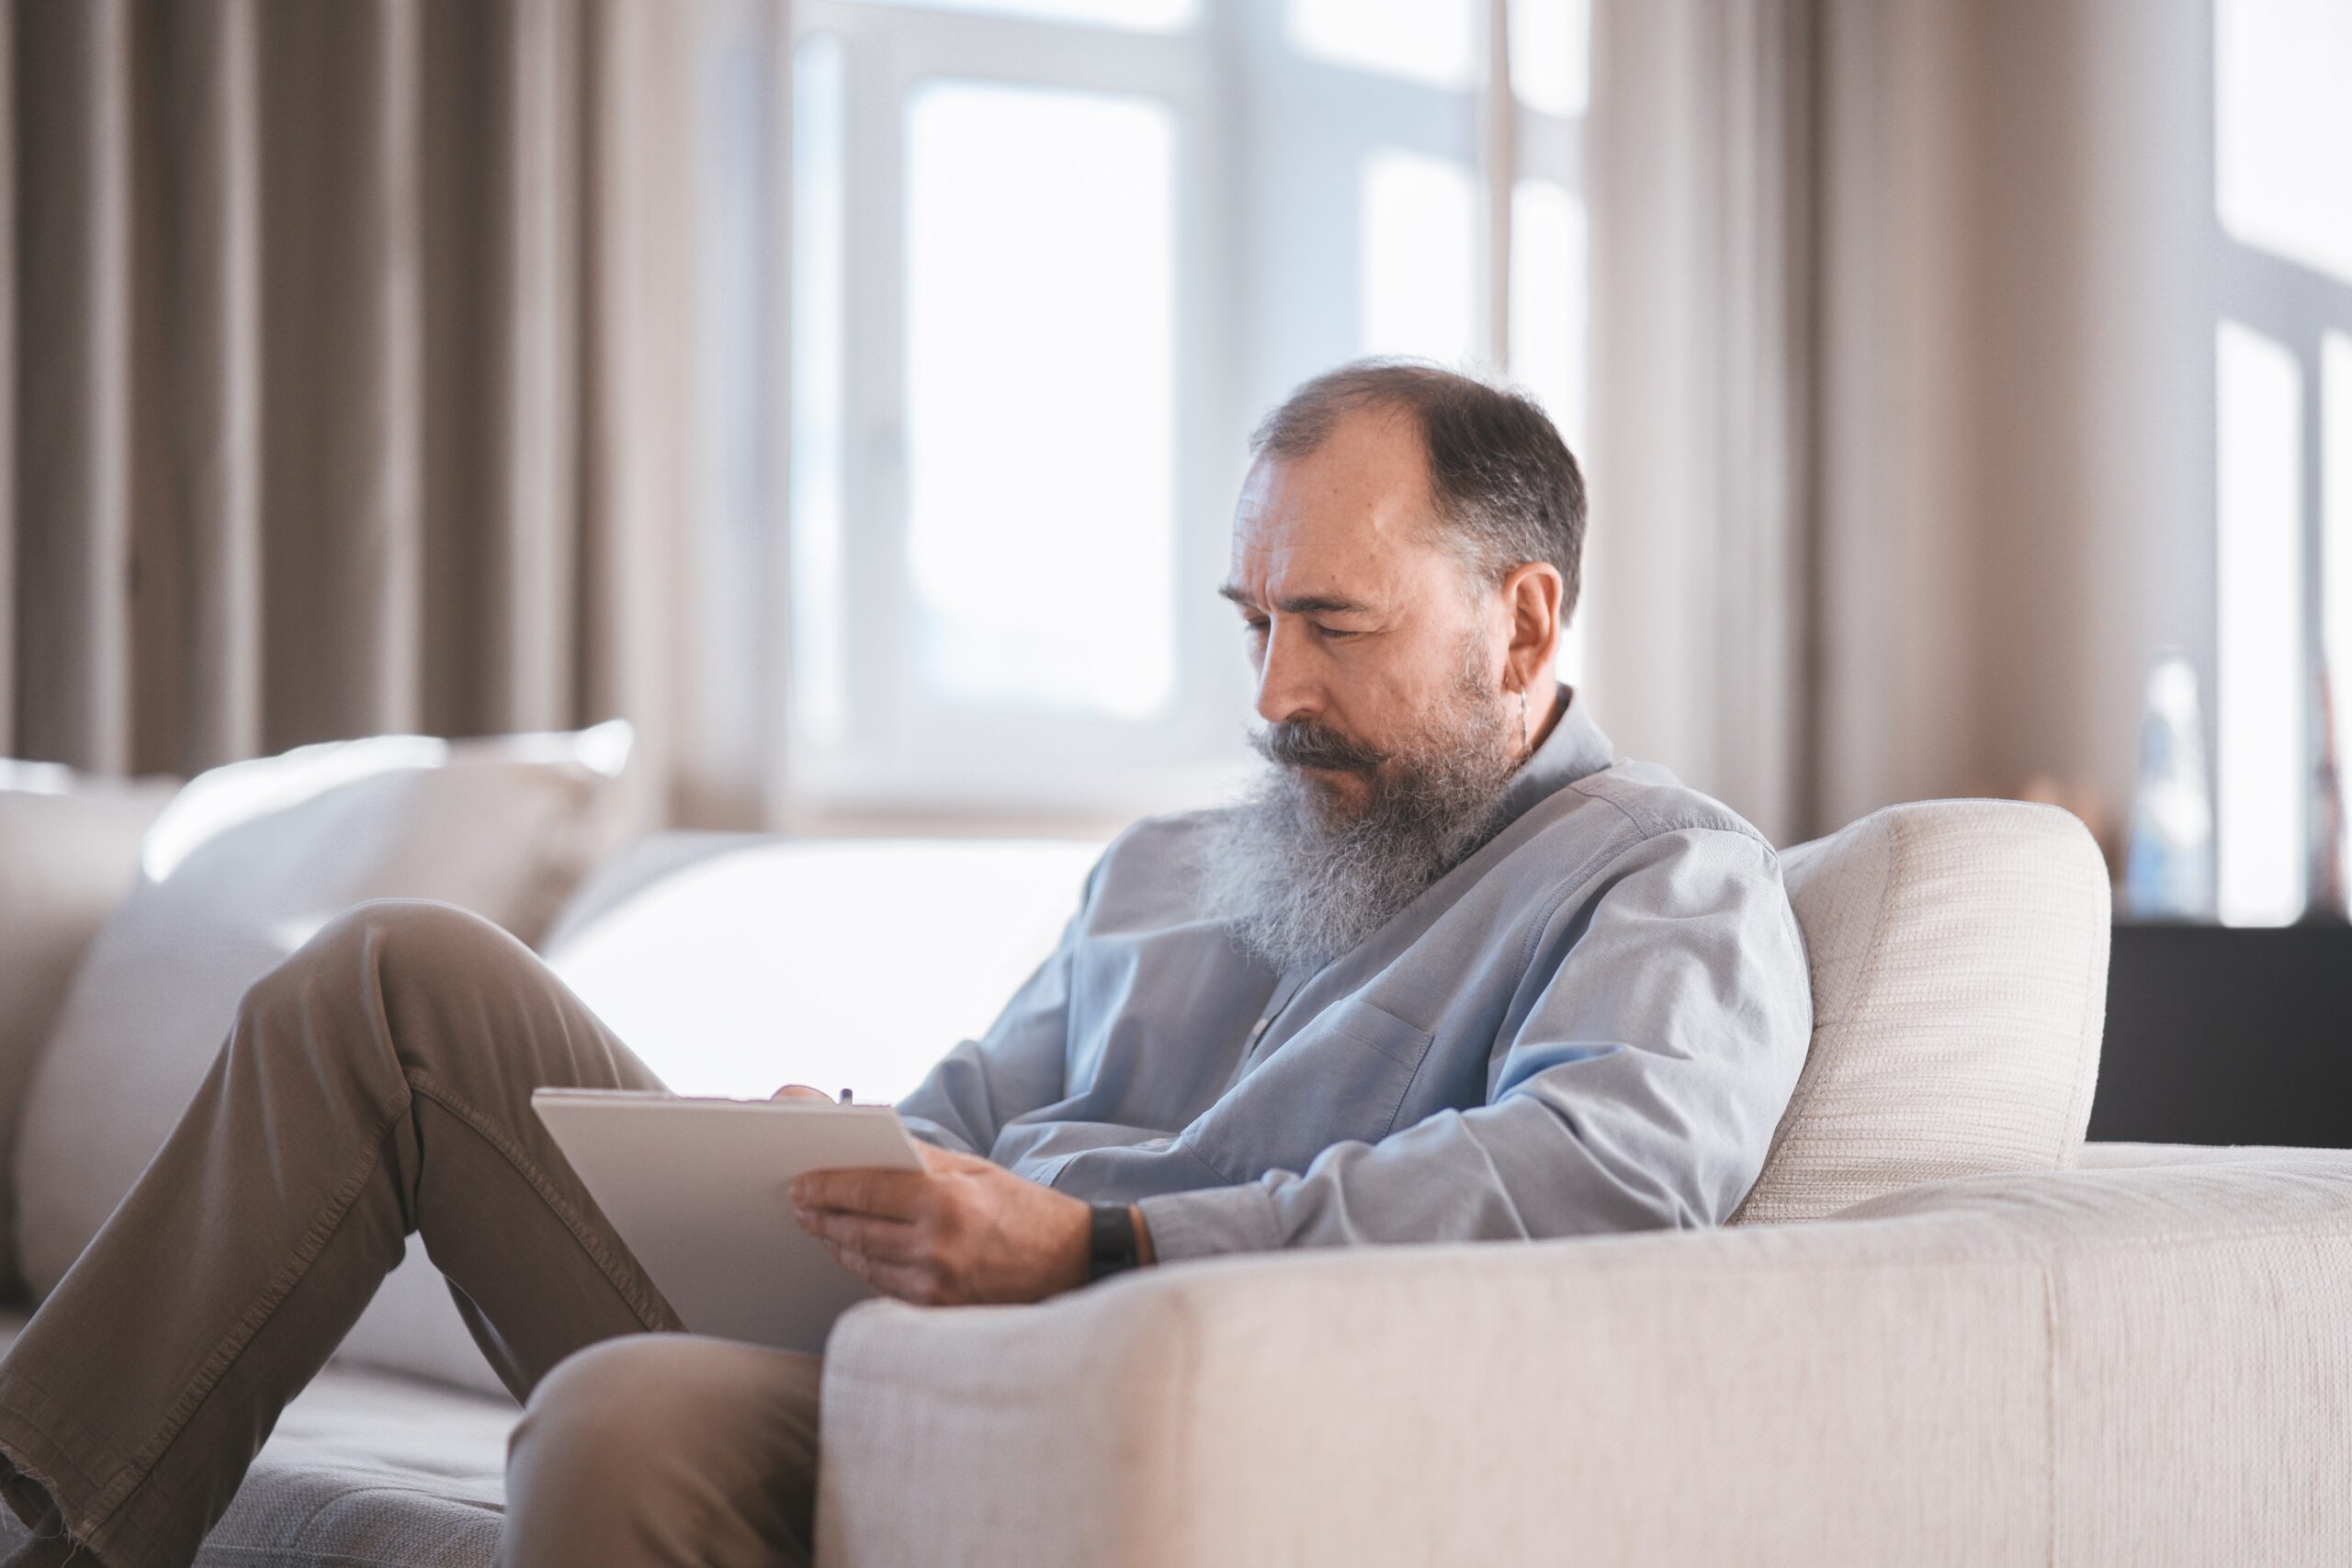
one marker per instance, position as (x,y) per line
(69,844)
(244,865)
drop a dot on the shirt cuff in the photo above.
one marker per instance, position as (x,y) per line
(1212,1221)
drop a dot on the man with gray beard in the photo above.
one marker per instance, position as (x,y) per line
(1452,972)
(1301,879)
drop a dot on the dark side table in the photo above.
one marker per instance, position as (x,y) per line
(2227,1035)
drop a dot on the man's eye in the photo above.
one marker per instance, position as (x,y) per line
(1253,628)
(1334,634)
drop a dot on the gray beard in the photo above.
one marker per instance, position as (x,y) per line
(1299,884)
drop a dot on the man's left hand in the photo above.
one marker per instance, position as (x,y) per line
(960,1230)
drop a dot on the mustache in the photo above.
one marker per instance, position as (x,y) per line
(1304,743)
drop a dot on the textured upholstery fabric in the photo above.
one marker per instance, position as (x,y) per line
(2139,1157)
(363,1472)
(1959,959)
(239,870)
(2200,1375)
(69,847)
(2113,1367)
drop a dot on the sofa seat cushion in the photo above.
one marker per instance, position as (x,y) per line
(363,1471)
(1959,957)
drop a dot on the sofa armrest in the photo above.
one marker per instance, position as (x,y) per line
(2113,1365)
(1670,1399)
(2140,1156)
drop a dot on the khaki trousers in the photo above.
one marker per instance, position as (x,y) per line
(376,1083)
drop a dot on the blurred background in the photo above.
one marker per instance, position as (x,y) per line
(852,395)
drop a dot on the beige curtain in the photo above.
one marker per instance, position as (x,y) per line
(351,353)
(1698,170)
(1902,426)
(2017,414)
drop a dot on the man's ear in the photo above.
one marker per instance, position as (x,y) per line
(1530,594)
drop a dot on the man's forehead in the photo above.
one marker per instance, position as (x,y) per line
(1343,522)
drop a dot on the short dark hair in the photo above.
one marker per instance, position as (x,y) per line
(1501,476)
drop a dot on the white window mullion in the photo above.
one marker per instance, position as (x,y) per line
(1295,185)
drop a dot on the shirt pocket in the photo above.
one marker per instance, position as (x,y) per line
(1342,1078)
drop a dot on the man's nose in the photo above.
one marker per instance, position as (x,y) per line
(1287,688)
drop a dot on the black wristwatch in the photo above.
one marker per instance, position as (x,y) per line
(1112,1245)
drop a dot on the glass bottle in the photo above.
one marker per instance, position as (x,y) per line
(2168,873)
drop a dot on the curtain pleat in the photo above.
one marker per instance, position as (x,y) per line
(1698,178)
(213,307)
(342,422)
(636,379)
(532,287)
(8,364)
(347,346)
(73,524)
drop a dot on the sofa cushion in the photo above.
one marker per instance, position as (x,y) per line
(69,845)
(1959,959)
(239,870)
(361,1469)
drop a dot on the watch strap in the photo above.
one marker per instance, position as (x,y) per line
(1112,1246)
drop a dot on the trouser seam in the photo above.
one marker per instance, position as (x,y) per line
(232,1344)
(14,1458)
(66,1441)
(421,1085)
(622,1274)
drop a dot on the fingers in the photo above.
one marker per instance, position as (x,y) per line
(907,1282)
(890,1241)
(909,1272)
(895,1194)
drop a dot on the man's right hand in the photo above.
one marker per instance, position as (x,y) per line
(802,1091)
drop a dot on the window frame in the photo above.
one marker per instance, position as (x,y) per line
(2295,307)
(1231,82)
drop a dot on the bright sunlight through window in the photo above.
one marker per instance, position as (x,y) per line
(1419,225)
(2260,575)
(1040,396)
(1434,42)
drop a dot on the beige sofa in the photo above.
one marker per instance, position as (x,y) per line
(1942,1331)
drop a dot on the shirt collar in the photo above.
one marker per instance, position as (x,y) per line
(1576,748)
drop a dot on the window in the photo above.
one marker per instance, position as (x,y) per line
(1050,259)
(2283,380)
(1040,398)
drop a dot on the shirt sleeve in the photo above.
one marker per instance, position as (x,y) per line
(1017,1066)
(1641,1070)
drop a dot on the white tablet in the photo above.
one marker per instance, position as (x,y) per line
(697,1190)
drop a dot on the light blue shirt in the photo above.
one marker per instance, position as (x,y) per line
(1591,1024)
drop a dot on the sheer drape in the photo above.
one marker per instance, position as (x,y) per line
(350,348)
(1902,429)
(1700,169)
